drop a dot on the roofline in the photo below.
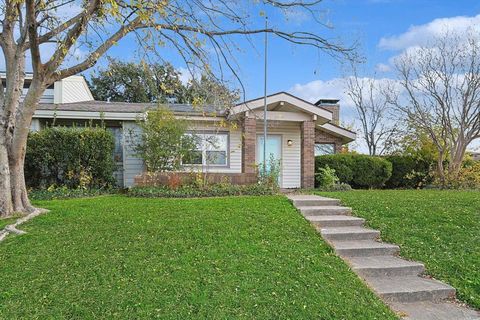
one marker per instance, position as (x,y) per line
(345,134)
(324,114)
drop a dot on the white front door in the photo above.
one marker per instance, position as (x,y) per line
(274,150)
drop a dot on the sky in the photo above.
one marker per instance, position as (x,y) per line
(382,29)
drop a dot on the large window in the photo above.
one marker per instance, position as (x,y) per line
(212,149)
(322,149)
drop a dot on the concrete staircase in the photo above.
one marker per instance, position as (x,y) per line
(397,281)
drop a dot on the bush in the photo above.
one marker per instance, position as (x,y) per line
(191,191)
(409,172)
(53,193)
(326,177)
(359,171)
(468,177)
(70,157)
(336,187)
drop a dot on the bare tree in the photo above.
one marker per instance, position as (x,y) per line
(194,28)
(369,96)
(441,95)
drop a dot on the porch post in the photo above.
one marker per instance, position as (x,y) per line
(249,144)
(308,153)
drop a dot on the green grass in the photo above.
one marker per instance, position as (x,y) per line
(6,221)
(223,258)
(439,228)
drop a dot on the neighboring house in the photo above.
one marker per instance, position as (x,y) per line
(297,131)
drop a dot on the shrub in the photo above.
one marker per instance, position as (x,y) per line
(409,172)
(468,177)
(269,176)
(336,187)
(163,141)
(359,171)
(191,191)
(326,177)
(341,163)
(53,193)
(70,157)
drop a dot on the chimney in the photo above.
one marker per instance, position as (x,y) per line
(331,105)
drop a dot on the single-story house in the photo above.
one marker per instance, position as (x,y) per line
(297,131)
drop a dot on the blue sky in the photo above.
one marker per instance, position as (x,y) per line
(365,21)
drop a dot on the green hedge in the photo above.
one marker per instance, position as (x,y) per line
(359,171)
(70,157)
(190,191)
(409,172)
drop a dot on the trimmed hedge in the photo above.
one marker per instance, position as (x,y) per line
(409,172)
(359,171)
(70,157)
(190,191)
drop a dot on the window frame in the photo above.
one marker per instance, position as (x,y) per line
(204,149)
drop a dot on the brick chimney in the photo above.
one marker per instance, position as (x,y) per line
(331,105)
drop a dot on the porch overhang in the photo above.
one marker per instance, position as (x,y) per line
(337,131)
(285,107)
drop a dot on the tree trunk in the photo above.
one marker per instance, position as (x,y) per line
(6,206)
(441,169)
(13,191)
(456,159)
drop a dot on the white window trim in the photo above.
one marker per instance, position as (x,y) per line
(204,150)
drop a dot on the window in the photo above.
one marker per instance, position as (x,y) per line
(322,149)
(212,149)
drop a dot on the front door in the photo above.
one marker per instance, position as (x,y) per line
(274,151)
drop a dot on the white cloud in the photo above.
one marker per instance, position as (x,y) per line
(422,35)
(382,67)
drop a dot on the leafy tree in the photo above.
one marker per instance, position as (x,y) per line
(81,32)
(164,141)
(141,82)
(137,82)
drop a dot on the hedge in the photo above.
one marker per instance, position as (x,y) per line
(70,157)
(214,190)
(359,171)
(409,172)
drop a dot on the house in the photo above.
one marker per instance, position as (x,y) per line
(297,131)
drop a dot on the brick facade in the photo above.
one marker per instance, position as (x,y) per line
(249,144)
(307,154)
(335,110)
(325,137)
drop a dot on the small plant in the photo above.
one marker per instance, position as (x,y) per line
(326,177)
(270,175)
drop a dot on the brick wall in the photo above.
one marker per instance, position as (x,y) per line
(325,137)
(335,109)
(249,142)
(307,154)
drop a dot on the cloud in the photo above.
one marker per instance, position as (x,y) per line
(422,35)
(382,67)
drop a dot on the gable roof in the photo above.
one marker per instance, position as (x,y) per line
(298,103)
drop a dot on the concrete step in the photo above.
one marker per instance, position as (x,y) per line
(310,200)
(384,266)
(363,248)
(426,310)
(325,211)
(335,221)
(349,233)
(410,289)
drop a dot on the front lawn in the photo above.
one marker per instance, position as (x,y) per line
(439,228)
(130,258)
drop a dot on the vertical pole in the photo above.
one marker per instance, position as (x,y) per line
(265,102)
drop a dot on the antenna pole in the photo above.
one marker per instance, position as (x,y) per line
(265,102)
